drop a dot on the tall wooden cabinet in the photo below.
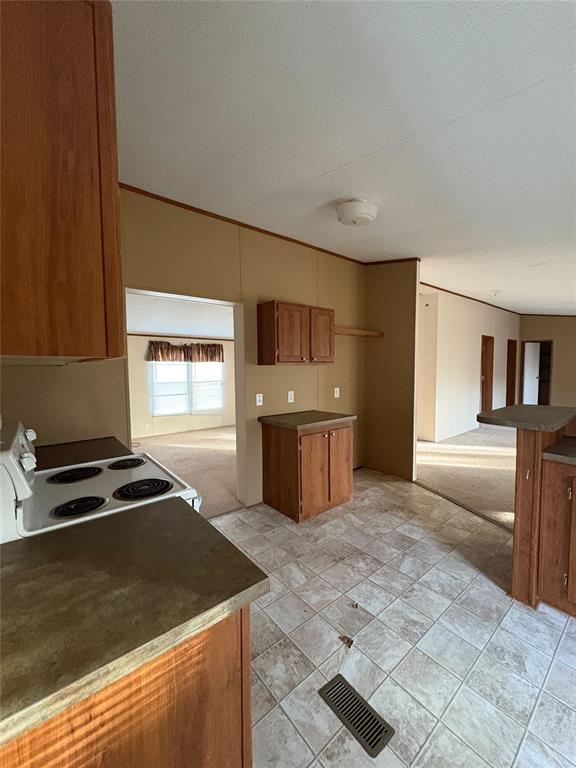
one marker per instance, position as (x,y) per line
(306,471)
(294,333)
(557,554)
(62,291)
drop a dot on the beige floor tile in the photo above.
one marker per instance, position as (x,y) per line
(363,563)
(491,734)
(294,575)
(555,724)
(504,688)
(411,721)
(262,700)
(410,566)
(310,714)
(392,580)
(318,593)
(448,649)
(277,590)
(458,567)
(371,597)
(382,645)
(446,585)
(468,626)
(289,612)
(264,633)
(318,562)
(406,620)
(347,616)
(535,632)
(342,577)
(561,683)
(566,652)
(360,671)
(535,754)
(345,752)
(426,600)
(317,639)
(514,653)
(277,743)
(485,604)
(444,749)
(282,667)
(428,682)
(383,551)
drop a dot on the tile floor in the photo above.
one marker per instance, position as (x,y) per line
(468,677)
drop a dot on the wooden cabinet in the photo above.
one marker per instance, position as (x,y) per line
(294,333)
(306,472)
(557,554)
(188,708)
(62,292)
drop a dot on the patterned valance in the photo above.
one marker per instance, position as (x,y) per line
(165,351)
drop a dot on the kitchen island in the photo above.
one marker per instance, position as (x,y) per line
(126,642)
(544,546)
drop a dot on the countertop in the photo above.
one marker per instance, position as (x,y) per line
(64,454)
(536,418)
(562,451)
(86,605)
(306,419)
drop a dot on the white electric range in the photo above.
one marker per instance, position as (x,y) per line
(35,502)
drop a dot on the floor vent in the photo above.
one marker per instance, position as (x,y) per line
(366,725)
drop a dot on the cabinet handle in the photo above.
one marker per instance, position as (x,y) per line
(303,358)
(332,433)
(325,435)
(313,358)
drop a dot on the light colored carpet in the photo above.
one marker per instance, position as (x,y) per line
(205,458)
(475,469)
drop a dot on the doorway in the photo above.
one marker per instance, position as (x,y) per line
(511,356)
(182,376)
(536,372)
(487,373)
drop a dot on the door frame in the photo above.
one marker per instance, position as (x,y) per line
(490,341)
(511,371)
(534,341)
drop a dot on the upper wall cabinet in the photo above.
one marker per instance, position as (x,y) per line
(62,291)
(294,333)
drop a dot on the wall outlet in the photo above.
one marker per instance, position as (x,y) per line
(336,391)
(290,395)
(148,427)
(259,399)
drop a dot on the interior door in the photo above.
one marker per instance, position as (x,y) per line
(321,335)
(487,373)
(531,372)
(544,372)
(511,356)
(293,333)
(314,473)
(340,465)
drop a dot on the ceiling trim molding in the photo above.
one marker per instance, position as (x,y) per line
(179,336)
(471,298)
(228,220)
(536,314)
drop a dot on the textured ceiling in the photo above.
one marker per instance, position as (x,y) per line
(457,118)
(154,314)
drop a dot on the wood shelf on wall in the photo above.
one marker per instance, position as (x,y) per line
(346,330)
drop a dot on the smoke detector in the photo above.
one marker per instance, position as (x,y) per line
(356,213)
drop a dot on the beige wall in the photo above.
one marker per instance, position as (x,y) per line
(178,251)
(562,332)
(455,399)
(391,296)
(68,402)
(426,366)
(143,423)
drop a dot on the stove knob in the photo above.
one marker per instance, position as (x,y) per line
(28,461)
(30,435)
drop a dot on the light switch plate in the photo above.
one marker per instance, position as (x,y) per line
(259,399)
(336,391)
(290,395)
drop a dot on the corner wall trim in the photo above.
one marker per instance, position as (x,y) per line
(470,298)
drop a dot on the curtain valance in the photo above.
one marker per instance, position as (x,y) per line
(165,351)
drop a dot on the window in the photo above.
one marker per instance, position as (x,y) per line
(182,388)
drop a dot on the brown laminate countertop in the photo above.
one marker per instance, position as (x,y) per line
(536,418)
(306,419)
(562,451)
(85,605)
(64,454)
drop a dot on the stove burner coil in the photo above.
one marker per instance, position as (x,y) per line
(127,463)
(142,489)
(77,507)
(74,475)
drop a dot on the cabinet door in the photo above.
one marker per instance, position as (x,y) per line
(322,335)
(59,244)
(314,473)
(293,333)
(340,465)
(557,557)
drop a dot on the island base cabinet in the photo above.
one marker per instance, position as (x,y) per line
(308,472)
(557,556)
(188,708)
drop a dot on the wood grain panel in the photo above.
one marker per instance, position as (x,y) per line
(293,328)
(487,373)
(322,342)
(340,465)
(511,360)
(557,577)
(525,556)
(280,470)
(53,300)
(314,473)
(186,709)
(267,335)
